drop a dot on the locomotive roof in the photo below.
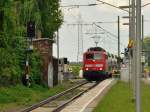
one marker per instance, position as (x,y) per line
(95,49)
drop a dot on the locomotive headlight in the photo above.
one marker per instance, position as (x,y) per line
(99,65)
(86,69)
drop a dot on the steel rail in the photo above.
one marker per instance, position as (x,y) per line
(59,108)
(51,98)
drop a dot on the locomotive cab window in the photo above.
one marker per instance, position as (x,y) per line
(89,56)
(94,56)
(97,56)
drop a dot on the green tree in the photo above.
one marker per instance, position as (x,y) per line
(45,13)
(13,44)
(9,64)
(51,17)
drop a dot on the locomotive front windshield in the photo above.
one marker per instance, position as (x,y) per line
(94,56)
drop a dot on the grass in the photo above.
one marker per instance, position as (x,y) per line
(145,98)
(119,99)
(14,98)
(76,69)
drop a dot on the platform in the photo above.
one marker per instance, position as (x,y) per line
(88,101)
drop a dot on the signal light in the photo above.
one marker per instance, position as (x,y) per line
(1,19)
(31,29)
(126,51)
(65,61)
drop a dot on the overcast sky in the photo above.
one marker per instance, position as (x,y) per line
(88,15)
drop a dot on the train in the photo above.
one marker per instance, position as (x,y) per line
(98,64)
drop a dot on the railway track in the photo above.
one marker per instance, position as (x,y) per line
(57,102)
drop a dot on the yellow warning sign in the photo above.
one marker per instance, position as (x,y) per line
(131,43)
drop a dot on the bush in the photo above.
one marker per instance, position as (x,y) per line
(76,69)
(36,68)
(9,69)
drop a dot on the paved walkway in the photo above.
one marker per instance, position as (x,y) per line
(146,80)
(88,101)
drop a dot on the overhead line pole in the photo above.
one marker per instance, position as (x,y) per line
(59,77)
(78,51)
(142,48)
(58,53)
(79,35)
(130,50)
(133,37)
(138,53)
(142,31)
(119,42)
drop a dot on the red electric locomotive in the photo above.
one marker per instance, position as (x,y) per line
(95,64)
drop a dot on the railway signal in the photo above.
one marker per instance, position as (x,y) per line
(30,34)
(1,19)
(126,52)
(31,29)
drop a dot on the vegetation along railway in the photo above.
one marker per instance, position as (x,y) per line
(59,101)
(97,66)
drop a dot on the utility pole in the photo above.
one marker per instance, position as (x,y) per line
(142,30)
(133,37)
(80,38)
(80,43)
(78,51)
(59,75)
(130,49)
(142,48)
(119,42)
(138,53)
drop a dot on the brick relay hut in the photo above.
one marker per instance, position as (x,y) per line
(45,48)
